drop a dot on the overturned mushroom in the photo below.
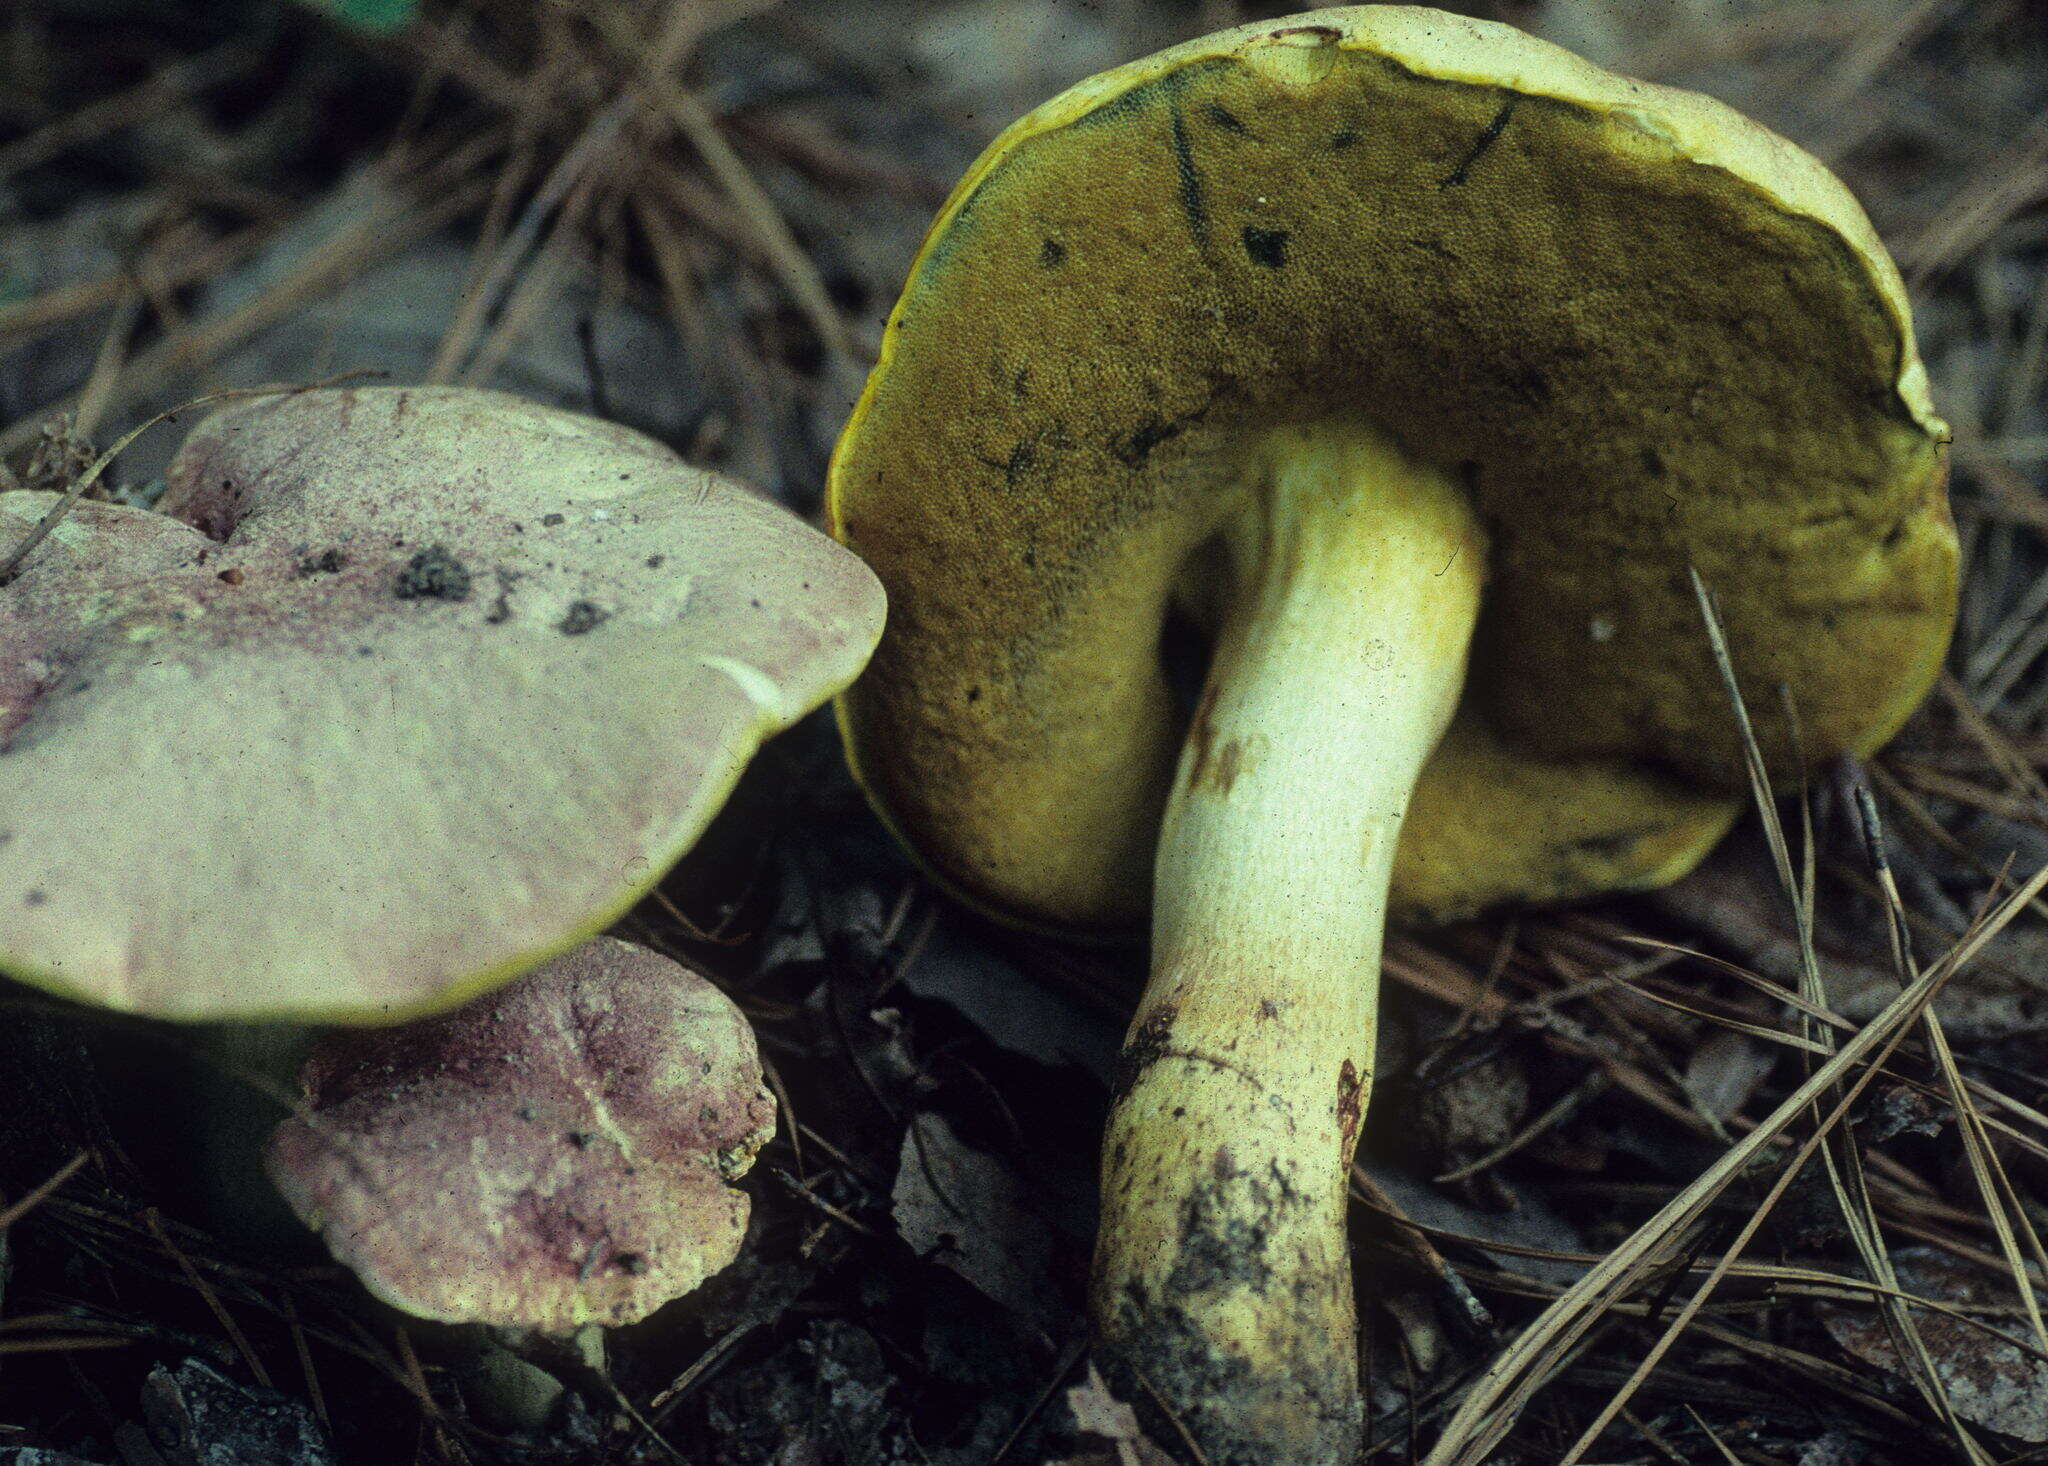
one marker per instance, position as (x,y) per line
(1432,360)
(404,691)
(556,1154)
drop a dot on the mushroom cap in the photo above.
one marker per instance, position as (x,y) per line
(554,1154)
(403,691)
(1647,334)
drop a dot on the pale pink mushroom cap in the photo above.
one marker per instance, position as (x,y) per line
(551,1155)
(403,691)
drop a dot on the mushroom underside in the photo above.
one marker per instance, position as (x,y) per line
(1417,281)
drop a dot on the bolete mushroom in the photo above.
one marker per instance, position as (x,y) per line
(404,691)
(553,1155)
(1436,359)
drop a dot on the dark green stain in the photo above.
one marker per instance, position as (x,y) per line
(1191,201)
(1224,118)
(1266,247)
(1487,138)
(1149,434)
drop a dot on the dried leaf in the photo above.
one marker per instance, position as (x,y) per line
(1735,902)
(969,1211)
(199,1417)
(1988,1381)
(1725,1070)
(1109,1429)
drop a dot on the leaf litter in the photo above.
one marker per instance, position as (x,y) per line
(1753,1169)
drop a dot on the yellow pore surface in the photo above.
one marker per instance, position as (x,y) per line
(1645,334)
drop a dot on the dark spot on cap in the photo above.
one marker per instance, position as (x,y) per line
(35,898)
(579,1138)
(433,574)
(1266,247)
(974,694)
(655,562)
(230,577)
(1052,254)
(632,1264)
(327,562)
(1343,139)
(500,612)
(582,616)
(550,520)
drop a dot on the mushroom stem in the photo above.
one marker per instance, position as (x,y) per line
(236,1081)
(1222,1279)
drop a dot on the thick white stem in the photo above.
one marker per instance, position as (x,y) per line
(1222,1274)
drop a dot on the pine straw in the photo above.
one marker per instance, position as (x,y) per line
(608,144)
(1490,1410)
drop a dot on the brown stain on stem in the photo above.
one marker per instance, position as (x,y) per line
(1229,759)
(1350,1107)
(1201,736)
(1146,1045)
(1211,765)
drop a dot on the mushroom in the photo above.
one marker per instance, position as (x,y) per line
(1435,360)
(403,691)
(554,1155)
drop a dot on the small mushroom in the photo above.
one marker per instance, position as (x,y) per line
(404,691)
(1433,361)
(554,1155)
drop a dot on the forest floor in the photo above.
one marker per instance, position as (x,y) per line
(1581,1109)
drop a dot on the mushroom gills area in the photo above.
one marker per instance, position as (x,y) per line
(1221,1270)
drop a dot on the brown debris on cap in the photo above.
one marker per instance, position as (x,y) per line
(554,1155)
(404,690)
